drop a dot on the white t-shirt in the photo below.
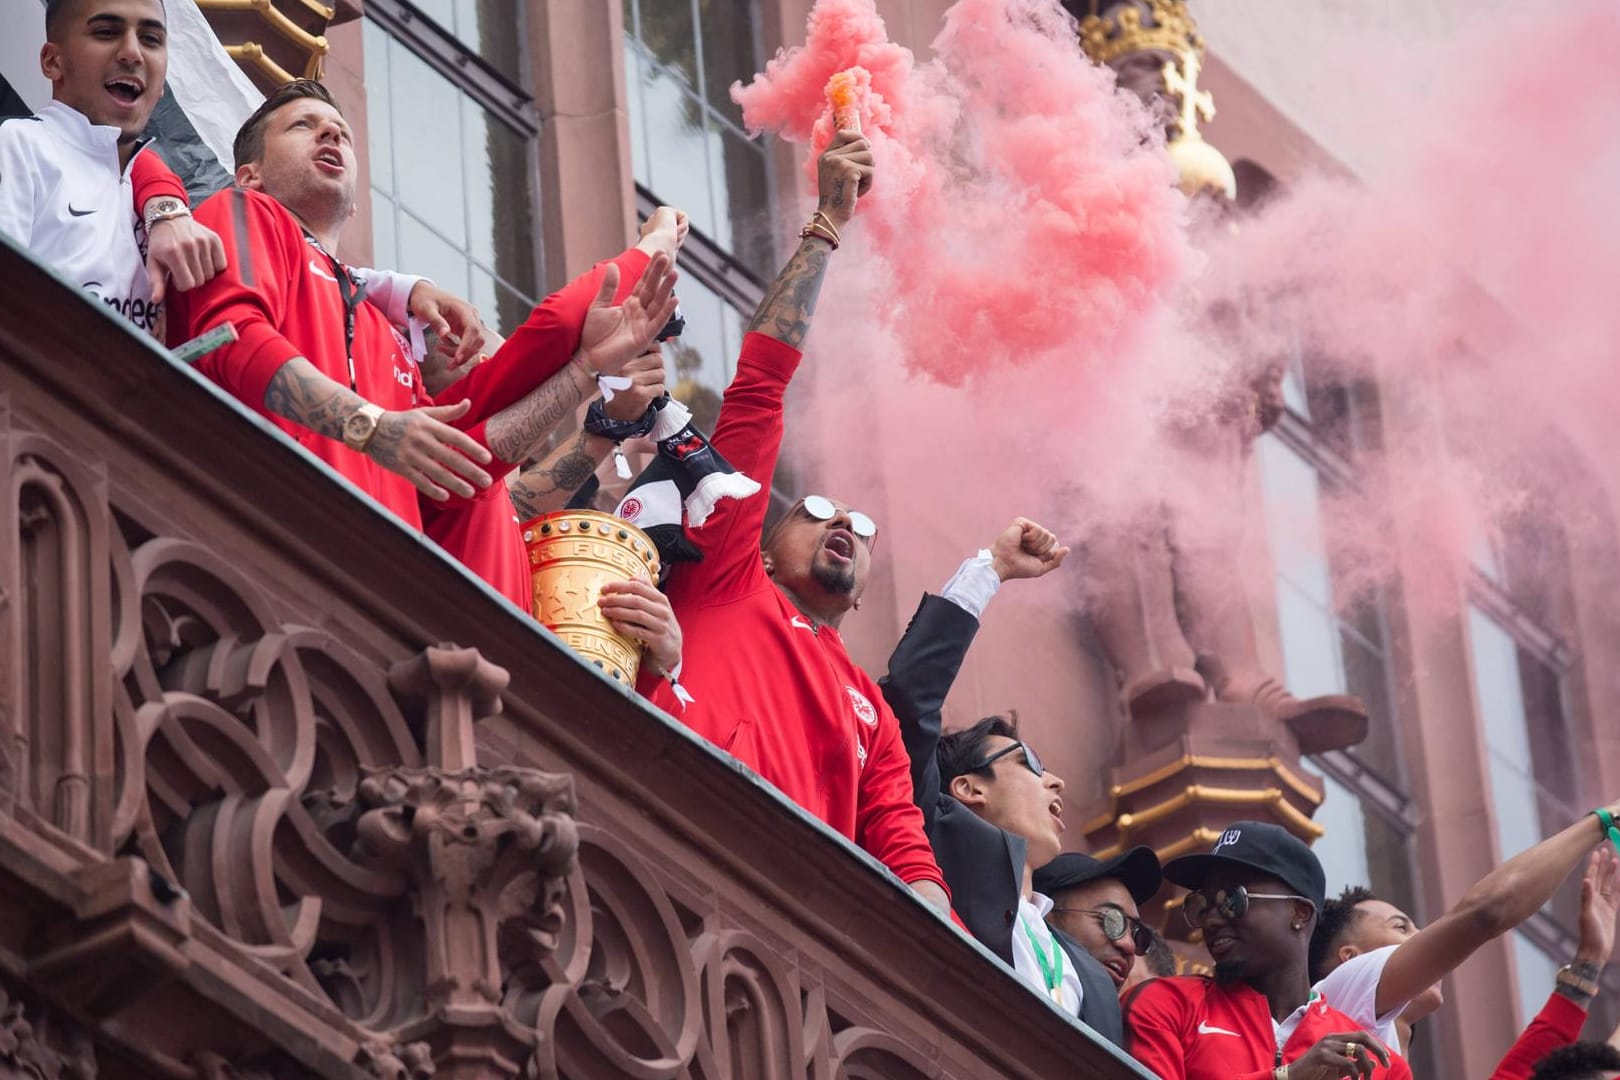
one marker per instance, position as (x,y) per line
(1032,921)
(1352,988)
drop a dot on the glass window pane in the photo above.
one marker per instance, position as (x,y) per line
(427,110)
(384,244)
(699,363)
(496,162)
(729,54)
(495,30)
(1499,696)
(1291,491)
(1343,847)
(1365,677)
(742,205)
(667,30)
(1537,974)
(677,149)
(423,252)
(634,76)
(379,114)
(491,28)
(1310,645)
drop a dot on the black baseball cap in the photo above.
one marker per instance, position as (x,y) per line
(1137,869)
(1258,845)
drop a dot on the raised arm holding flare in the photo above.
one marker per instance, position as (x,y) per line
(773,683)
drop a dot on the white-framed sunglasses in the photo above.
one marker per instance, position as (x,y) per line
(822,509)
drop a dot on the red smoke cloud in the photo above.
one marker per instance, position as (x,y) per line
(1020,313)
(1009,170)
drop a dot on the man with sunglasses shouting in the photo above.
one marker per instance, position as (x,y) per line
(771,681)
(1255,897)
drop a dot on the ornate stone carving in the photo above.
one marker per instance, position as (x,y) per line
(481,848)
(33,1047)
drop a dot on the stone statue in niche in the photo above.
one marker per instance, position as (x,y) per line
(1170,605)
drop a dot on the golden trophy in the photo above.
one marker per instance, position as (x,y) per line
(572,554)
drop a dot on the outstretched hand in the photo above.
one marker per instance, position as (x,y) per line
(1026,550)
(420,445)
(843,175)
(613,335)
(1600,901)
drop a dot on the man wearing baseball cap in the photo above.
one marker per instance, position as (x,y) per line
(1254,897)
(1096,906)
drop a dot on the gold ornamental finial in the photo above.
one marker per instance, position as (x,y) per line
(1168,27)
(1113,32)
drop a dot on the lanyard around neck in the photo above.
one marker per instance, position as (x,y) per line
(351,294)
(1051,966)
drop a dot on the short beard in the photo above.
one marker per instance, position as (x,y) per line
(838,581)
(1230,971)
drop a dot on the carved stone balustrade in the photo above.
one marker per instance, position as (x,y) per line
(259,820)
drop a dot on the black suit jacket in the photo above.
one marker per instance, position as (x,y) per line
(982,863)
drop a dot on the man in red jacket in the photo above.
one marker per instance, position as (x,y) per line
(771,680)
(328,367)
(1255,897)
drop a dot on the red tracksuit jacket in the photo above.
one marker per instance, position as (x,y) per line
(782,697)
(1558,1024)
(1188,1027)
(281,291)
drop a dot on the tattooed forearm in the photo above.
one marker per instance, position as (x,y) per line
(785,312)
(550,483)
(519,429)
(300,393)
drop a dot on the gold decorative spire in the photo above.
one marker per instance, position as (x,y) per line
(1167,27)
(1134,27)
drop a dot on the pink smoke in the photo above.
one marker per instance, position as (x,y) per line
(1009,168)
(1024,317)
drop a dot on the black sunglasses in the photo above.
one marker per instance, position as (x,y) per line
(1115,925)
(1229,904)
(1030,759)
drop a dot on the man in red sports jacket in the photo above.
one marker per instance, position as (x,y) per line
(1255,897)
(771,680)
(329,368)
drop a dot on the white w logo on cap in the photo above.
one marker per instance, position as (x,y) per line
(1228,838)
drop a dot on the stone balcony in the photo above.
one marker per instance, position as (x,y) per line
(260,819)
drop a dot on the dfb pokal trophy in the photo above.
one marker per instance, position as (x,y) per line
(572,554)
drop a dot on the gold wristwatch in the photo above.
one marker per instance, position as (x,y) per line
(361,427)
(164,208)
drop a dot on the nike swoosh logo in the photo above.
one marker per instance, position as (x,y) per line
(1205,1028)
(315,268)
(80,213)
(798,620)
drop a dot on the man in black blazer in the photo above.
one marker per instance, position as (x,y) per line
(991,811)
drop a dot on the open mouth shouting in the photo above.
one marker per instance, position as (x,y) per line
(125,89)
(329,159)
(840,544)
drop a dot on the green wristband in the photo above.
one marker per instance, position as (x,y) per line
(1606,821)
